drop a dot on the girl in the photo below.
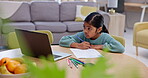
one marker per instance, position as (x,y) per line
(94,35)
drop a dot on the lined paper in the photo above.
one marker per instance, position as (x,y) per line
(86,53)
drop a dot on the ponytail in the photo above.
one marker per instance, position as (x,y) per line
(97,20)
(104,29)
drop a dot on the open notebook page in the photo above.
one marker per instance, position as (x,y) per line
(87,53)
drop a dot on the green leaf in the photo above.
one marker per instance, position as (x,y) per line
(46,70)
(98,70)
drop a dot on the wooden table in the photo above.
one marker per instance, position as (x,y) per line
(121,63)
(134,4)
(143,6)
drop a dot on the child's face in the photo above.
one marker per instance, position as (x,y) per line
(91,31)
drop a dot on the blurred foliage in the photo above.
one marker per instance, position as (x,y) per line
(4,21)
(106,49)
(46,70)
(99,70)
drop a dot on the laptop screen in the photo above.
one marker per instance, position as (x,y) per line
(37,44)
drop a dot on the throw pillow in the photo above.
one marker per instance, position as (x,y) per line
(83,11)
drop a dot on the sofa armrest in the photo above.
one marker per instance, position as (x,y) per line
(0,26)
(0,31)
(138,27)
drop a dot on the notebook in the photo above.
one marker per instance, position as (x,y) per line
(37,44)
(86,53)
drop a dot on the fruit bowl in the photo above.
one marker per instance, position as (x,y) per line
(6,64)
(13,75)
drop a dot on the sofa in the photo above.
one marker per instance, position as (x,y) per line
(59,18)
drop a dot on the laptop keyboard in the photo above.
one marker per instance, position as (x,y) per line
(56,56)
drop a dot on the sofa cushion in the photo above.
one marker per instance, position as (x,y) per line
(10,27)
(22,14)
(68,9)
(142,36)
(83,11)
(52,26)
(45,11)
(74,26)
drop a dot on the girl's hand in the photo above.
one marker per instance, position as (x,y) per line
(97,47)
(83,45)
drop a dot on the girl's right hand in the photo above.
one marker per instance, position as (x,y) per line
(84,45)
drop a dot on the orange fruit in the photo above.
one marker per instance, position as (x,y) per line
(0,63)
(12,65)
(4,60)
(20,69)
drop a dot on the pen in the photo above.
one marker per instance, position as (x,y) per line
(74,63)
(79,38)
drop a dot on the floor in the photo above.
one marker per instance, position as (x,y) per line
(131,50)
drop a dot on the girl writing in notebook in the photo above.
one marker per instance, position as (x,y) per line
(94,35)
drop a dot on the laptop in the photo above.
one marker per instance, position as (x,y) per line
(37,44)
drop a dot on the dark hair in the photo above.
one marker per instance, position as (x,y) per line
(96,19)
